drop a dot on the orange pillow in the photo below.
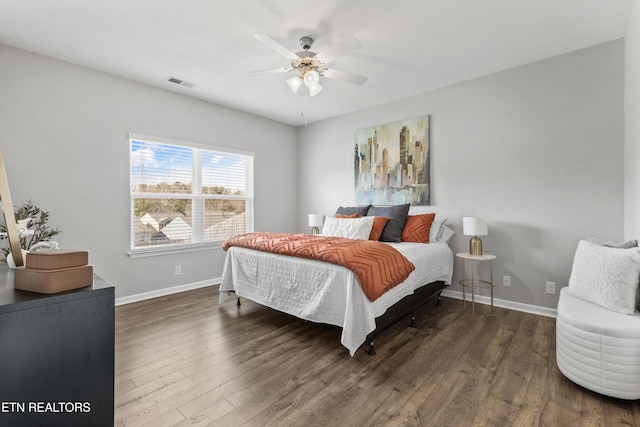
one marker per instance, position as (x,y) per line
(378,225)
(417,228)
(355,215)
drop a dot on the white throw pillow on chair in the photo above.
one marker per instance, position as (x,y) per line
(606,276)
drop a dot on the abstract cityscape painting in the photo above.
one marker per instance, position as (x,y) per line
(392,163)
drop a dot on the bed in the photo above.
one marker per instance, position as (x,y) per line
(321,292)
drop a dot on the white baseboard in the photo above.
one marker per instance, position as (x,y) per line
(511,305)
(167,291)
(481,299)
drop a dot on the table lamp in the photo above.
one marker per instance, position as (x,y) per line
(475,227)
(315,221)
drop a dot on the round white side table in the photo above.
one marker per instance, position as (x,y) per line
(474,282)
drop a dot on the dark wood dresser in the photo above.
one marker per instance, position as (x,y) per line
(56,355)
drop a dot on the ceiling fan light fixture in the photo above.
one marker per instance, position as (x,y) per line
(294,83)
(311,78)
(310,66)
(314,90)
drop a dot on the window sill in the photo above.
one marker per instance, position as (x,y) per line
(170,250)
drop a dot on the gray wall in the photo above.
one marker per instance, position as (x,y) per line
(536,150)
(632,127)
(63,133)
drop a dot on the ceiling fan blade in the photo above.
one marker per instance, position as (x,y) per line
(270,71)
(334,74)
(332,53)
(276,45)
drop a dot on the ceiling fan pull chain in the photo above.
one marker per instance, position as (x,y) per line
(304,104)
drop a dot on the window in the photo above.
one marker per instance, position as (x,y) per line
(185,196)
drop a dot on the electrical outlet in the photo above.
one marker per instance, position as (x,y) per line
(551,287)
(506,281)
(178,270)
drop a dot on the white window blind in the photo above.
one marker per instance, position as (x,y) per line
(183,194)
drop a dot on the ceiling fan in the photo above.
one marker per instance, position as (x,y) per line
(310,66)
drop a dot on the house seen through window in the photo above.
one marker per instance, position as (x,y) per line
(184,194)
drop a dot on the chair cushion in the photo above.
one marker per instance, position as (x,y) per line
(597,348)
(597,319)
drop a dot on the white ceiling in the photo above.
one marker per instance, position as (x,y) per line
(410,46)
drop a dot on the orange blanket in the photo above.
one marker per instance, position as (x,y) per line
(378,266)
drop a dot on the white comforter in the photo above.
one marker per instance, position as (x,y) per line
(327,293)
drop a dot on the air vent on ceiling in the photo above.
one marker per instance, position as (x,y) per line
(179,82)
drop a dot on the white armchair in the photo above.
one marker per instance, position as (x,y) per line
(598,325)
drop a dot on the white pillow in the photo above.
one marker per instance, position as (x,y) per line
(436,229)
(606,276)
(445,234)
(351,228)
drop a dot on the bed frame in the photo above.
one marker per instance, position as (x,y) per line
(407,305)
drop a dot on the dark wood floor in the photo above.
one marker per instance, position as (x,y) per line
(185,360)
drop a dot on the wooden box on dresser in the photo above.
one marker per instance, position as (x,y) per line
(56,355)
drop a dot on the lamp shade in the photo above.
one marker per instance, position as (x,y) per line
(311,78)
(314,90)
(472,226)
(316,220)
(294,83)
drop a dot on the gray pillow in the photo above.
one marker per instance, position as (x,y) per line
(397,215)
(613,244)
(360,210)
